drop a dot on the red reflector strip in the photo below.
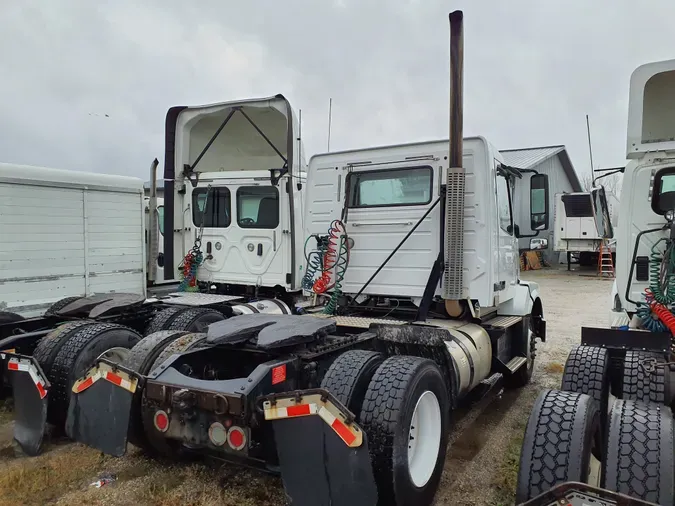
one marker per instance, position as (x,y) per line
(24,366)
(114,378)
(344,433)
(300,410)
(85,384)
(41,389)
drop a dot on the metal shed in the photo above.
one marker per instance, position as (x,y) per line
(554,161)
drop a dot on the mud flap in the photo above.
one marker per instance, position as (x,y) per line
(29,389)
(324,460)
(100,406)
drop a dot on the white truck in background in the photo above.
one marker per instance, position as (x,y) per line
(67,233)
(574,229)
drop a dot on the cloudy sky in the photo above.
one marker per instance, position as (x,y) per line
(534,69)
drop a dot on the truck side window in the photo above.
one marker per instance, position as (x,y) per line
(217,213)
(391,187)
(258,207)
(504,205)
(160,219)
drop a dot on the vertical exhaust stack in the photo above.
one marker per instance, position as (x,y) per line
(153,246)
(453,286)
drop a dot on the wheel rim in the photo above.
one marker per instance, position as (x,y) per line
(116,355)
(424,439)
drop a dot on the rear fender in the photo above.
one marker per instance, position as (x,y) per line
(30,389)
(100,406)
(323,453)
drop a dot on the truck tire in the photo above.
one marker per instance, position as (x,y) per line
(48,347)
(157,444)
(561,437)
(8,317)
(141,358)
(195,319)
(77,355)
(639,459)
(161,320)
(54,309)
(639,384)
(349,375)
(406,397)
(523,375)
(587,372)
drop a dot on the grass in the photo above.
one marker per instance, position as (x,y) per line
(44,479)
(507,476)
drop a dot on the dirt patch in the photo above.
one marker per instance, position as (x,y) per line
(554,368)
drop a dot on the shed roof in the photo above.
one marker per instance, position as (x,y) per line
(527,158)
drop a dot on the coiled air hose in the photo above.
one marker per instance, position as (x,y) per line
(332,260)
(314,261)
(190,264)
(662,273)
(654,312)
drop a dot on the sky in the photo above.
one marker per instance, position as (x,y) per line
(86,84)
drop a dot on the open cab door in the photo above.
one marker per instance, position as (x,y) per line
(651,93)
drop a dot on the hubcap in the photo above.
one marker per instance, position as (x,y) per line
(116,355)
(424,439)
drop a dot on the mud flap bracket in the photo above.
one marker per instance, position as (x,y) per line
(100,407)
(323,454)
(30,389)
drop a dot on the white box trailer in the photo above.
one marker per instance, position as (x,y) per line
(574,227)
(68,233)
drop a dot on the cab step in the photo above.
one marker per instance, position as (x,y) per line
(504,322)
(516,363)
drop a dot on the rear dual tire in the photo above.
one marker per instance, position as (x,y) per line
(563,443)
(189,319)
(141,359)
(405,414)
(69,351)
(152,440)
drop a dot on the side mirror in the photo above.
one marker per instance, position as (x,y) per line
(539,202)
(538,243)
(603,222)
(663,196)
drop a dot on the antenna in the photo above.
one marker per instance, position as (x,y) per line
(590,148)
(330,117)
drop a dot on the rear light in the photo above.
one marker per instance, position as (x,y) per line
(217,434)
(161,421)
(236,438)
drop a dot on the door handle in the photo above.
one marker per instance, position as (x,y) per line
(260,249)
(400,223)
(209,256)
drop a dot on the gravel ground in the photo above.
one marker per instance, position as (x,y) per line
(478,461)
(480,467)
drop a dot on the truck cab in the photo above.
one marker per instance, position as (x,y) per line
(386,194)
(646,202)
(233,185)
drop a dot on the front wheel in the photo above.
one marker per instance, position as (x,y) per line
(405,415)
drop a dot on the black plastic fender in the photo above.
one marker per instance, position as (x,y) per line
(323,454)
(100,407)
(30,389)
